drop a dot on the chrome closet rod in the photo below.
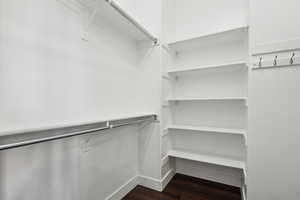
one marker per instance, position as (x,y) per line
(131,20)
(20,140)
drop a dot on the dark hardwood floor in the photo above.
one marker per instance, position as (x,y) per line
(183,187)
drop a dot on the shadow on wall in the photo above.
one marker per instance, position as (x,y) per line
(43,171)
(145,51)
(149,150)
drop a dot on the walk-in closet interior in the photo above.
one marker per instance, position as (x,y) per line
(149,100)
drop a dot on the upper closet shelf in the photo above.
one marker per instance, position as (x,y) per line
(225,36)
(120,19)
(239,64)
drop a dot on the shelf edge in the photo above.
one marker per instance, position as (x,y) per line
(209,67)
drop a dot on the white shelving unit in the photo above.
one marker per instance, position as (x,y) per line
(210,159)
(205,106)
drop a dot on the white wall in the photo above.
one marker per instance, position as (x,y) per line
(58,78)
(50,77)
(192,18)
(278,25)
(273,157)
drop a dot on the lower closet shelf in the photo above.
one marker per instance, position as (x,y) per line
(211,159)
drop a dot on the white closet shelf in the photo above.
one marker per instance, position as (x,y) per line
(238,33)
(207,99)
(239,64)
(211,159)
(207,129)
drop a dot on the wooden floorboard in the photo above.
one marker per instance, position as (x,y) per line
(183,187)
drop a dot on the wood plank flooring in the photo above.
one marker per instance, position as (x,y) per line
(183,187)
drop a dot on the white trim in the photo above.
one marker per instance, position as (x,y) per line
(156,184)
(124,189)
(167,178)
(150,182)
(145,181)
(243,193)
(276,47)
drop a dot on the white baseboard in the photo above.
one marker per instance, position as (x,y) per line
(167,178)
(156,184)
(150,182)
(124,189)
(145,181)
(243,193)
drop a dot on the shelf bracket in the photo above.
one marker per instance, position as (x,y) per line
(72,5)
(146,124)
(165,76)
(88,22)
(114,5)
(78,8)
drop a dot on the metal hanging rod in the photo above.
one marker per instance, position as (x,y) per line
(132,21)
(40,136)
